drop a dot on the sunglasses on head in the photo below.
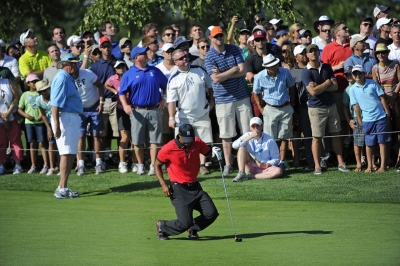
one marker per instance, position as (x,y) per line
(205,46)
(182,58)
(326,30)
(260,20)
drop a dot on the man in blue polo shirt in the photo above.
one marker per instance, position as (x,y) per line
(320,83)
(225,65)
(357,43)
(143,83)
(104,69)
(66,107)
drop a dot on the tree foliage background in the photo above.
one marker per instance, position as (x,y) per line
(129,15)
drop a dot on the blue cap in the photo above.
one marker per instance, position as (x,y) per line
(187,133)
(68,57)
(14,41)
(138,50)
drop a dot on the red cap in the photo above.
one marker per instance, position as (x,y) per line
(260,34)
(104,39)
(216,30)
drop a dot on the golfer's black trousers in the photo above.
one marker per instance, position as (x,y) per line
(185,199)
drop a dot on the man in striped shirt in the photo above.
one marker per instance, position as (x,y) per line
(225,65)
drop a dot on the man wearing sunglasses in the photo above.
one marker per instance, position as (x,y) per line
(168,35)
(323,27)
(190,89)
(225,65)
(33,61)
(395,46)
(77,47)
(366,26)
(305,37)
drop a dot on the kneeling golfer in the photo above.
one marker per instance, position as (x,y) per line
(181,155)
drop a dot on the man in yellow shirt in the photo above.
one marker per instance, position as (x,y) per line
(32,61)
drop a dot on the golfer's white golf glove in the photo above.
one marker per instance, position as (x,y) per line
(216,152)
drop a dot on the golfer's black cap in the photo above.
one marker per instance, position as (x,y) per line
(187,133)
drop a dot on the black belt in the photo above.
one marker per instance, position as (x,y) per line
(185,184)
(146,107)
(278,106)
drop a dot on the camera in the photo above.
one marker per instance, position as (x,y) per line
(240,23)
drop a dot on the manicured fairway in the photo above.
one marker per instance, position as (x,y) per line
(119,229)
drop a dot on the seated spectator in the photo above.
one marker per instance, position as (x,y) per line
(35,128)
(367,96)
(258,154)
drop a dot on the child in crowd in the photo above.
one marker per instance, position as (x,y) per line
(43,102)
(124,122)
(351,118)
(367,96)
(35,128)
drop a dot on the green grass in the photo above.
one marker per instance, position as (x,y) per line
(333,219)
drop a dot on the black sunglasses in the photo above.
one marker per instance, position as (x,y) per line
(367,24)
(182,57)
(126,45)
(169,34)
(108,45)
(306,36)
(260,20)
(284,51)
(357,73)
(259,39)
(205,46)
(345,28)
(219,36)
(381,52)
(79,46)
(326,30)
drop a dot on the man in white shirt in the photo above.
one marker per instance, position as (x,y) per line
(196,33)
(92,94)
(188,89)
(9,61)
(258,154)
(323,27)
(366,27)
(395,46)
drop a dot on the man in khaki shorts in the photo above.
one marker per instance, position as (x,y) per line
(320,83)
(277,85)
(189,88)
(225,65)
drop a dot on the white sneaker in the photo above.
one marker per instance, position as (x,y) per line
(123,167)
(151,171)
(99,169)
(81,170)
(32,170)
(140,169)
(44,170)
(134,167)
(17,169)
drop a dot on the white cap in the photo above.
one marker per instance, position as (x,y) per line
(255,120)
(167,46)
(119,62)
(2,44)
(358,68)
(299,49)
(276,21)
(74,39)
(250,39)
(23,36)
(382,21)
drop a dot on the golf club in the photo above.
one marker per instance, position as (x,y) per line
(218,153)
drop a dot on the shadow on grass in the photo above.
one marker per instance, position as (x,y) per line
(256,235)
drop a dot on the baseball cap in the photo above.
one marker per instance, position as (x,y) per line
(368,19)
(258,27)
(119,62)
(379,9)
(15,41)
(357,38)
(138,50)
(31,77)
(181,40)
(167,46)
(255,120)
(2,43)
(381,47)
(302,32)
(187,132)
(208,31)
(95,47)
(276,21)
(383,21)
(86,32)
(358,68)
(299,49)
(74,39)
(250,39)
(41,85)
(68,58)
(24,35)
(103,40)
(312,46)
(259,34)
(123,41)
(216,30)
(244,31)
(348,69)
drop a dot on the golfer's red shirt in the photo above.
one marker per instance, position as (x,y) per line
(333,54)
(183,163)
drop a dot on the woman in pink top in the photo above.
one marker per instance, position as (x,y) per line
(124,122)
(387,74)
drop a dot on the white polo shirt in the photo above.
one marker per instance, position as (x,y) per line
(189,90)
(394,52)
(12,64)
(86,88)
